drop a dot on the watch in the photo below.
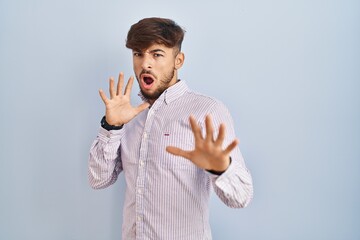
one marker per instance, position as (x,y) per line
(109,127)
(218,172)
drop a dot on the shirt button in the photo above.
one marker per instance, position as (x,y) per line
(139,191)
(141,163)
(138,218)
(145,135)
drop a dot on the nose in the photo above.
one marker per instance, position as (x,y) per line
(146,61)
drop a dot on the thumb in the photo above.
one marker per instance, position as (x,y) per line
(142,107)
(178,152)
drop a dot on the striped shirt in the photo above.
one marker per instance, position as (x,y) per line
(166,196)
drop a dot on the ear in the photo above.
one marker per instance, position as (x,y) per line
(179,60)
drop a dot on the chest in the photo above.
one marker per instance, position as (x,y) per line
(147,136)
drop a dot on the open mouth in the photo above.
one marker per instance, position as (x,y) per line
(147,80)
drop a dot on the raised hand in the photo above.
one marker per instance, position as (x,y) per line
(208,153)
(118,108)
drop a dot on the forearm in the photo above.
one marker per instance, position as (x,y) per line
(234,187)
(104,159)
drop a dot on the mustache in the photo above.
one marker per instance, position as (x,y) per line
(147,72)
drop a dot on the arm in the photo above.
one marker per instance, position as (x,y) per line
(213,150)
(234,187)
(105,160)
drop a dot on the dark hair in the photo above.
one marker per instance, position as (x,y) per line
(149,31)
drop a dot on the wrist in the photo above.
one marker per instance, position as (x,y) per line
(219,172)
(108,126)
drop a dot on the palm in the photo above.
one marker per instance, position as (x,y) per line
(118,107)
(208,153)
(205,155)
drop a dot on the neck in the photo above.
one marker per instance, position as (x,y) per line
(151,101)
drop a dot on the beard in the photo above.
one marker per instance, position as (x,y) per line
(163,84)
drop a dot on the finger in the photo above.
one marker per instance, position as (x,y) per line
(178,152)
(231,146)
(120,83)
(209,128)
(103,96)
(195,128)
(111,88)
(129,86)
(221,135)
(142,107)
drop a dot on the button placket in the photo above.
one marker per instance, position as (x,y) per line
(140,181)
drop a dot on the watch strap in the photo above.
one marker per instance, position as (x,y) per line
(109,127)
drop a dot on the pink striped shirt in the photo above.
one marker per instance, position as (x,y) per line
(167,197)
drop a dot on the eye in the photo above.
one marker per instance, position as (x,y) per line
(137,54)
(157,55)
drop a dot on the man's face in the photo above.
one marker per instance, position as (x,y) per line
(156,69)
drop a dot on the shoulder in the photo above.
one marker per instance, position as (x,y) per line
(199,105)
(211,103)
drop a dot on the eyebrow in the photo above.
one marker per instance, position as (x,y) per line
(152,51)
(157,50)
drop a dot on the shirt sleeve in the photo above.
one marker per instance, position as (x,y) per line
(234,187)
(105,160)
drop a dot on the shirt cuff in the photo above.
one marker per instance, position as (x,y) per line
(110,136)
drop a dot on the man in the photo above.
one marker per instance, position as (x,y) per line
(173,148)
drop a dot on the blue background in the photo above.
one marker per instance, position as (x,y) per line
(289,71)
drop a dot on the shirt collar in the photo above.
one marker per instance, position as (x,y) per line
(172,93)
